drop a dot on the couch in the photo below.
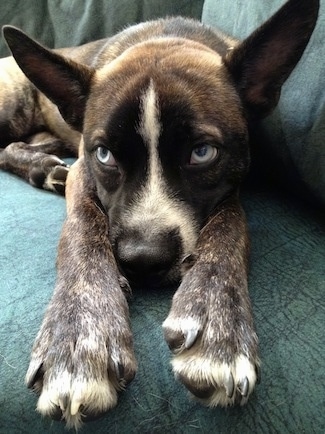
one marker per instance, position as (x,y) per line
(284,200)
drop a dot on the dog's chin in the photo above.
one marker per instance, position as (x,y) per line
(155,281)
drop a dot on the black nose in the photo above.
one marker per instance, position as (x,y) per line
(148,257)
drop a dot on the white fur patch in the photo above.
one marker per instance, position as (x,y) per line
(51,179)
(96,396)
(203,370)
(154,209)
(150,127)
(181,324)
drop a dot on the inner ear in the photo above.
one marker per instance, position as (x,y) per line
(261,64)
(65,82)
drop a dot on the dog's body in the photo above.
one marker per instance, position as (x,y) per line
(159,116)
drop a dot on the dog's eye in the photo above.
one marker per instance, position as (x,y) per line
(105,156)
(203,154)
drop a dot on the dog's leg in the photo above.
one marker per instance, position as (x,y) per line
(37,161)
(83,353)
(210,326)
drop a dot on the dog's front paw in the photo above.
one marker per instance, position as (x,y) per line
(78,368)
(209,330)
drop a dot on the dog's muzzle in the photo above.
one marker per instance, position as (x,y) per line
(149,258)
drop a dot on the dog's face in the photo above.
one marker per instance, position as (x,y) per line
(163,155)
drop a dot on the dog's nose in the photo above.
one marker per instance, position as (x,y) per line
(148,257)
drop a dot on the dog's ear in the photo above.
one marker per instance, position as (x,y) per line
(65,82)
(261,63)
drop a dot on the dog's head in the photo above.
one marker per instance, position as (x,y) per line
(165,128)
(160,153)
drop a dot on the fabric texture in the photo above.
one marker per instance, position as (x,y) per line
(63,23)
(287,276)
(287,282)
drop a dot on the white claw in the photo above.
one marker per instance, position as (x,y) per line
(75,405)
(230,385)
(191,336)
(62,404)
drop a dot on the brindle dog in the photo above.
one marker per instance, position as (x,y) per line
(159,116)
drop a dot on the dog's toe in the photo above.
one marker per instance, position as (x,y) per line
(76,400)
(56,179)
(214,382)
(50,173)
(200,391)
(181,335)
(125,373)
(34,375)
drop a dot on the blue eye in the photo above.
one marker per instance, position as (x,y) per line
(203,154)
(105,156)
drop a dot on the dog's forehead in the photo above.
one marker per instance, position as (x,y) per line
(178,90)
(152,121)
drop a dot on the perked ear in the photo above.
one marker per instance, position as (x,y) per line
(261,63)
(65,82)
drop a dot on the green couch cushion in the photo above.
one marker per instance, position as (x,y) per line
(294,141)
(62,23)
(287,285)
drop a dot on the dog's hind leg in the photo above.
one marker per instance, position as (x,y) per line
(27,148)
(37,161)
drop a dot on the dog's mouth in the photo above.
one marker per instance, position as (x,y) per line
(146,272)
(153,281)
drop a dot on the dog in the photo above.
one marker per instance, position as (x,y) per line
(159,117)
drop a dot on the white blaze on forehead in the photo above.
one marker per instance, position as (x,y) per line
(150,127)
(150,130)
(154,209)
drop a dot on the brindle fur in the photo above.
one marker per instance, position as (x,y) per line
(150,94)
